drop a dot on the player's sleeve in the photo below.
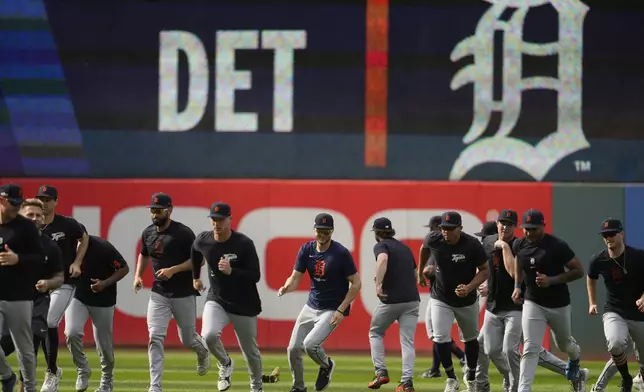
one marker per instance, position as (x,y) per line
(187,239)
(76,229)
(117,259)
(379,248)
(144,248)
(197,257)
(249,269)
(479,253)
(349,264)
(564,252)
(594,268)
(302,259)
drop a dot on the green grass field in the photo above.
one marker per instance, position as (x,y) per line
(352,374)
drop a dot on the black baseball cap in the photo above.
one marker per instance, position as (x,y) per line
(533,219)
(219,210)
(434,221)
(611,225)
(489,228)
(323,221)
(13,193)
(161,200)
(508,216)
(47,191)
(451,219)
(382,224)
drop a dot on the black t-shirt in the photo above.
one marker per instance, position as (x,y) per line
(500,284)
(548,256)
(23,238)
(399,283)
(622,289)
(101,261)
(53,260)
(329,272)
(166,249)
(236,293)
(66,232)
(455,265)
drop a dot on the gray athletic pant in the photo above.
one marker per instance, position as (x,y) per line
(383,317)
(428,319)
(16,315)
(443,316)
(311,329)
(59,301)
(160,310)
(498,335)
(534,321)
(214,319)
(76,317)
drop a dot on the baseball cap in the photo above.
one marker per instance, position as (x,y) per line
(508,216)
(450,219)
(611,225)
(382,224)
(323,221)
(434,221)
(219,210)
(489,228)
(161,200)
(47,191)
(532,219)
(13,193)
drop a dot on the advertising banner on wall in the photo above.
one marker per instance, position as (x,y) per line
(278,216)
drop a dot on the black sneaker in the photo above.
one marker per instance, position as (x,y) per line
(297,389)
(324,376)
(10,383)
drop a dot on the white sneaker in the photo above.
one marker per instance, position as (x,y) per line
(203,364)
(579,385)
(225,372)
(471,385)
(596,389)
(638,382)
(451,385)
(51,381)
(82,381)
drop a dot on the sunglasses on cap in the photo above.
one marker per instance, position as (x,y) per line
(157,210)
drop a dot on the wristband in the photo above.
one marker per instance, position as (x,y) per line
(517,286)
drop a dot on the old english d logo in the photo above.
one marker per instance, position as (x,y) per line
(606,224)
(217,209)
(43,189)
(568,137)
(447,218)
(507,214)
(528,218)
(323,220)
(156,200)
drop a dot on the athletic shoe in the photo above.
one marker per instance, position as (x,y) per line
(297,389)
(381,378)
(324,376)
(82,381)
(471,385)
(451,385)
(626,386)
(406,386)
(483,387)
(225,372)
(579,385)
(203,364)
(429,373)
(51,381)
(10,383)
(638,382)
(572,370)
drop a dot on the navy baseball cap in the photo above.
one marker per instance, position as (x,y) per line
(611,225)
(434,221)
(219,210)
(489,228)
(323,221)
(451,219)
(508,216)
(382,224)
(13,193)
(47,191)
(161,200)
(532,219)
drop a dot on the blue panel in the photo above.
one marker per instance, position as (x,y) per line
(634,224)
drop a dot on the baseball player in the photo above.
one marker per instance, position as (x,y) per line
(233,297)
(399,301)
(610,370)
(168,243)
(21,261)
(622,268)
(502,332)
(335,283)
(547,264)
(461,267)
(95,298)
(72,240)
(51,278)
(423,259)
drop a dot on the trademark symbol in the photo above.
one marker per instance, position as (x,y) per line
(582,166)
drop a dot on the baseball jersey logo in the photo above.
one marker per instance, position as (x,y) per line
(230,257)
(319,269)
(496,262)
(617,275)
(58,236)
(532,262)
(458,258)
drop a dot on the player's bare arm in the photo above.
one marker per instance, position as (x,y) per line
(167,273)
(518,279)
(591,288)
(81,249)
(355,284)
(45,285)
(100,285)
(291,283)
(381,270)
(508,257)
(481,277)
(423,257)
(141,266)
(574,271)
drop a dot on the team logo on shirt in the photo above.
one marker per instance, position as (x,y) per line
(58,236)
(458,258)
(230,257)
(617,275)
(319,270)
(532,262)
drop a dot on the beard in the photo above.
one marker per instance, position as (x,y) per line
(158,222)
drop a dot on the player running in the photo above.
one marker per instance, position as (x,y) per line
(622,268)
(168,243)
(233,297)
(95,298)
(461,267)
(335,283)
(547,264)
(72,240)
(399,301)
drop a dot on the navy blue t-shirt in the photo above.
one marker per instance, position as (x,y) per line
(329,271)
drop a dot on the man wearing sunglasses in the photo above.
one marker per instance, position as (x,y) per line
(460,267)
(622,268)
(72,239)
(21,258)
(233,267)
(546,264)
(168,243)
(335,283)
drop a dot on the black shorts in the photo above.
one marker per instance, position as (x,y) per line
(39,316)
